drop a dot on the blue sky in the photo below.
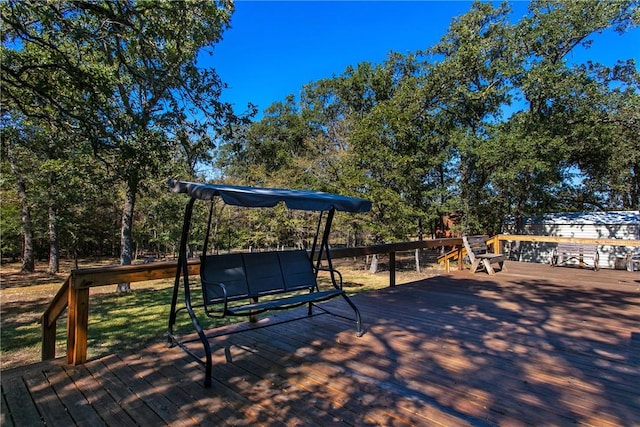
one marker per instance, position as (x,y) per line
(274,48)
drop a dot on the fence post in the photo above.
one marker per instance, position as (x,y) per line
(495,241)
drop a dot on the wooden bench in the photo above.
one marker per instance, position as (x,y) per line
(578,251)
(479,254)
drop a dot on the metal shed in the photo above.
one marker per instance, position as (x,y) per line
(623,225)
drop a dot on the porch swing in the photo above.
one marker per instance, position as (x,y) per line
(234,283)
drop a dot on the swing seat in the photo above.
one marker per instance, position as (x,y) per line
(233,284)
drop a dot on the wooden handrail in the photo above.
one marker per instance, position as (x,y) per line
(554,239)
(393,247)
(456,254)
(74,292)
(74,296)
(101,276)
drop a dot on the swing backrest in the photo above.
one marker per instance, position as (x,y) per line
(227,269)
(251,275)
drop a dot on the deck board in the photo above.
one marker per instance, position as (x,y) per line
(532,345)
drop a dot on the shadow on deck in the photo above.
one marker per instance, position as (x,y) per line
(533,345)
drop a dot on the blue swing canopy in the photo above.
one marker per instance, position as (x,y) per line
(256,197)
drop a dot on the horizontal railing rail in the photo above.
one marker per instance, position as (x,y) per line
(386,248)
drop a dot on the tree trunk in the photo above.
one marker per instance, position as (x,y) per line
(419,251)
(126,236)
(373,268)
(54,256)
(28,261)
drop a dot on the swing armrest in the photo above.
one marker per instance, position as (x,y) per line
(218,300)
(333,271)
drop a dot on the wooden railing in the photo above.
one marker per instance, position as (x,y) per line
(456,254)
(552,239)
(74,293)
(391,249)
(74,296)
(496,241)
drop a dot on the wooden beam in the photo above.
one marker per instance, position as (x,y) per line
(77,325)
(392,247)
(494,242)
(457,253)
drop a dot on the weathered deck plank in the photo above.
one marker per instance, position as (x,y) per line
(530,346)
(15,395)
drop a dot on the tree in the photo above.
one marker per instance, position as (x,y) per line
(572,127)
(529,162)
(12,151)
(102,101)
(133,83)
(473,75)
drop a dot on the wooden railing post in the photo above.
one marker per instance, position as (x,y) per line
(48,339)
(77,325)
(495,242)
(392,269)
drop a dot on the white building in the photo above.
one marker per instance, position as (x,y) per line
(623,225)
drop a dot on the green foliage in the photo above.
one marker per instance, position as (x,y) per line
(105,100)
(422,135)
(117,81)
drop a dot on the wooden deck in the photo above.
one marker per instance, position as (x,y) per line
(533,345)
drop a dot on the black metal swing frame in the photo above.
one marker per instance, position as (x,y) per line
(256,197)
